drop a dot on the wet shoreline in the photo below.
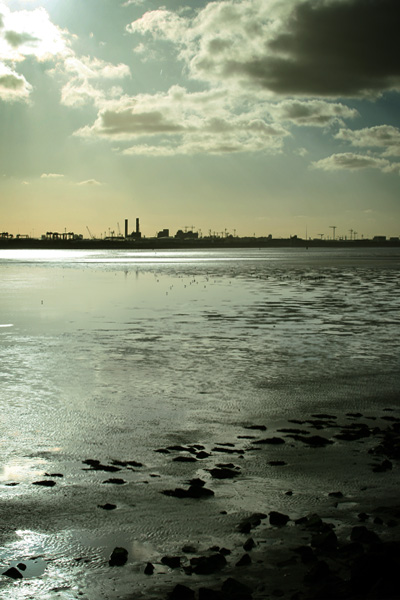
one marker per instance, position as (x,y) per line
(291,549)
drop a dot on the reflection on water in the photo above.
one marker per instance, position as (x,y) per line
(112,354)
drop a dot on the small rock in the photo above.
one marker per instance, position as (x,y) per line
(149,569)
(115,481)
(107,506)
(278,519)
(249,544)
(184,459)
(223,473)
(21,566)
(249,523)
(205,565)
(274,441)
(181,592)
(235,590)
(336,494)
(244,561)
(45,483)
(119,557)
(13,573)
(173,562)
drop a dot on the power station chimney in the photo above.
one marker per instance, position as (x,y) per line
(126,228)
(137,226)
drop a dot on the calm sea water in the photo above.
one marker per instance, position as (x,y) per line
(113,354)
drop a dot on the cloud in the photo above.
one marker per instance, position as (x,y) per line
(355,162)
(317,113)
(381,136)
(89,182)
(181,122)
(51,176)
(31,33)
(307,48)
(12,85)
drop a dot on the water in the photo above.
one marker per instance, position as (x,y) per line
(113,354)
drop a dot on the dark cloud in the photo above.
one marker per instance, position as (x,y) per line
(11,82)
(330,48)
(115,123)
(16,39)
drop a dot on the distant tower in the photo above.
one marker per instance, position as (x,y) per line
(137,227)
(126,228)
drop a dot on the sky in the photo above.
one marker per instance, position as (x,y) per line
(242,117)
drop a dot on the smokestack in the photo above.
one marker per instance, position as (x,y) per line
(137,226)
(126,228)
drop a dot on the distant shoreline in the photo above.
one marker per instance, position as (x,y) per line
(201,243)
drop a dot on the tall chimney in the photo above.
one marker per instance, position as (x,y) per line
(126,228)
(137,226)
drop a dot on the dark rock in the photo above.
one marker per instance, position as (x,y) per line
(97,466)
(115,481)
(119,557)
(54,475)
(289,493)
(162,451)
(45,483)
(13,573)
(235,590)
(278,519)
(149,569)
(107,506)
(354,415)
(325,541)
(363,516)
(249,523)
(225,551)
(274,441)
(244,561)
(256,427)
(223,473)
(202,454)
(277,463)
(205,565)
(336,494)
(197,482)
(21,566)
(228,450)
(188,549)
(184,459)
(194,491)
(11,484)
(363,535)
(249,544)
(127,463)
(181,592)
(173,562)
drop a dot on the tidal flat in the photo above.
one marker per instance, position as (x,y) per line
(218,415)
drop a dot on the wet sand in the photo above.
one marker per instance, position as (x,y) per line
(306,508)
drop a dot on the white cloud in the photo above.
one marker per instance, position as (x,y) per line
(181,122)
(355,162)
(31,33)
(381,136)
(12,85)
(51,176)
(89,182)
